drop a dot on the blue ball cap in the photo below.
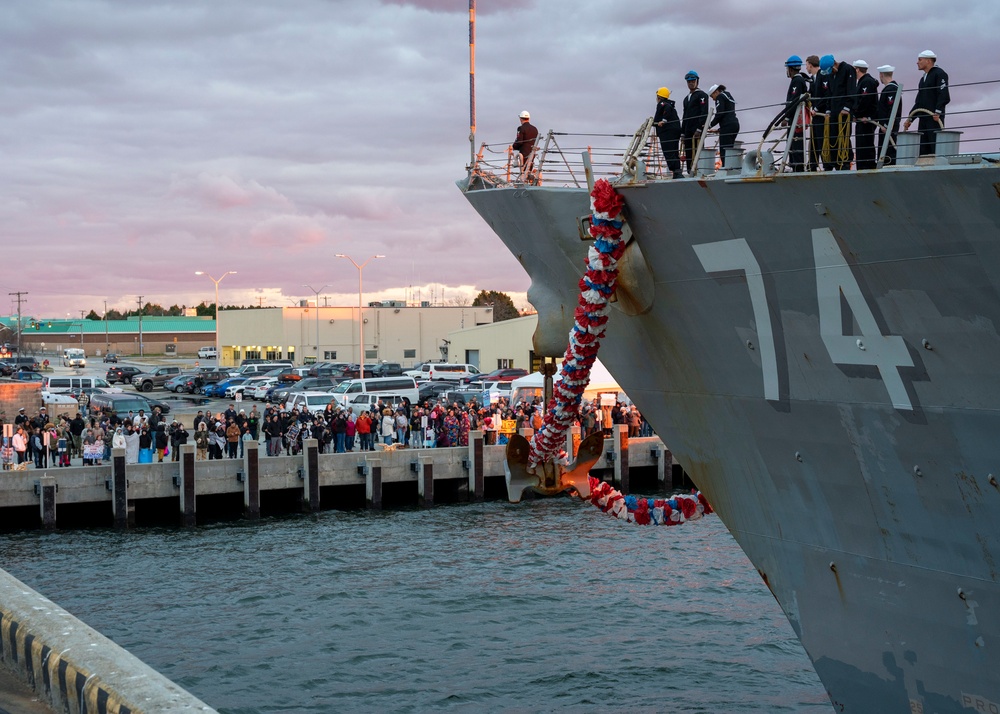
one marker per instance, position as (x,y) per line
(826,64)
(793,61)
(690,75)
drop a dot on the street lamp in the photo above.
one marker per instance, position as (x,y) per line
(218,352)
(317,292)
(361,319)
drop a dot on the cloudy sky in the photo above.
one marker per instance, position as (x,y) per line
(142,140)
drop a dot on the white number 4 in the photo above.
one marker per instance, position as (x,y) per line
(885,352)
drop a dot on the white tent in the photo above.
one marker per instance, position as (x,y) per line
(601,382)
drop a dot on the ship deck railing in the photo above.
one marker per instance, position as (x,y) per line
(971,133)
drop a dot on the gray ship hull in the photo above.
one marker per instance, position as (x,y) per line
(821,354)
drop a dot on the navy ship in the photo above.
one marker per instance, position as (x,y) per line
(821,353)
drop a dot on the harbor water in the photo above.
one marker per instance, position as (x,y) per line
(547,605)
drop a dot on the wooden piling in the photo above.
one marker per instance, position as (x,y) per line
(310,472)
(187,498)
(47,502)
(251,480)
(373,483)
(425,480)
(119,489)
(476,483)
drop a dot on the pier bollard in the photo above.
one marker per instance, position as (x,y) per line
(310,466)
(425,480)
(251,480)
(573,438)
(619,445)
(373,484)
(187,486)
(47,502)
(119,490)
(476,488)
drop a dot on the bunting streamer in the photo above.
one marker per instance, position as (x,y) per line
(590,320)
(648,511)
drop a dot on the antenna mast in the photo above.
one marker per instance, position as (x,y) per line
(472,82)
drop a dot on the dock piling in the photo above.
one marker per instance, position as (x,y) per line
(47,501)
(425,480)
(476,487)
(187,498)
(119,490)
(310,457)
(251,480)
(373,483)
(619,445)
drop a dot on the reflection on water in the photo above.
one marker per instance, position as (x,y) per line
(545,605)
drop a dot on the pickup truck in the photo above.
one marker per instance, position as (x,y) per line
(145,381)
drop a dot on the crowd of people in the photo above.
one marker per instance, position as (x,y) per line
(823,102)
(48,442)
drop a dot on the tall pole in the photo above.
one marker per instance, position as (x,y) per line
(140,325)
(317,292)
(361,317)
(18,295)
(218,349)
(472,82)
(107,342)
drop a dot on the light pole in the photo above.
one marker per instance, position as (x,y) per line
(218,352)
(361,319)
(317,292)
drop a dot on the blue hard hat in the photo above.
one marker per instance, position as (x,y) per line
(690,75)
(793,61)
(826,63)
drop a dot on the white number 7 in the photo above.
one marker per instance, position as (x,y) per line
(736,255)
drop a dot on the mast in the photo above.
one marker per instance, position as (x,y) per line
(472,82)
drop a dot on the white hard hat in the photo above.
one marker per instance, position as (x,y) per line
(927,54)
(887,69)
(525,115)
(859,64)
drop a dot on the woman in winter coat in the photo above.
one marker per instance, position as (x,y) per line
(201,441)
(161,441)
(388,426)
(363,426)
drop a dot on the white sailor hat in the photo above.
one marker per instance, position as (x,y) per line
(927,54)
(712,88)
(887,69)
(859,64)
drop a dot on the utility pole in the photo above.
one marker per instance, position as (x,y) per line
(260,302)
(107,342)
(18,295)
(140,325)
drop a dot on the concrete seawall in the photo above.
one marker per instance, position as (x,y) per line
(73,667)
(192,490)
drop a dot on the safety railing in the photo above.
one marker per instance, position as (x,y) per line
(557,159)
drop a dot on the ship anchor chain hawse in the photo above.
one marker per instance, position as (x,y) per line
(819,350)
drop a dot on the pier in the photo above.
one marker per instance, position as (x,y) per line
(188,491)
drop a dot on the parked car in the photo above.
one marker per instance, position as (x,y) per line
(218,390)
(309,384)
(24,375)
(6,369)
(259,390)
(111,357)
(121,374)
(145,381)
(387,369)
(507,374)
(430,390)
(190,383)
(207,353)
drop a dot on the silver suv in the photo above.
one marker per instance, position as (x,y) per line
(145,381)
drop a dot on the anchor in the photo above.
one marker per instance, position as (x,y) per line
(550,478)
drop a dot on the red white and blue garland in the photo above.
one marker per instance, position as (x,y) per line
(590,320)
(648,511)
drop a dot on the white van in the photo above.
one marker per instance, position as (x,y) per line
(451,372)
(59,385)
(402,386)
(367,400)
(262,368)
(74,357)
(207,353)
(309,401)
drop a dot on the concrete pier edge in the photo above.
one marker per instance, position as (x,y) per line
(72,666)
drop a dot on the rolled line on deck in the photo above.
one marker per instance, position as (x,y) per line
(74,667)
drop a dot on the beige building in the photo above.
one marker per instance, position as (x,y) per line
(393,332)
(496,345)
